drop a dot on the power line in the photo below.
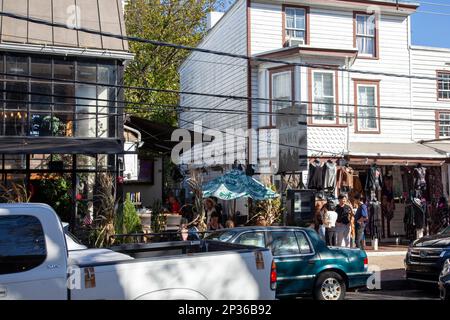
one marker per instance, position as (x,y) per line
(178,92)
(267,141)
(208,51)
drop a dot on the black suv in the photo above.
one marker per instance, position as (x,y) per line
(426,256)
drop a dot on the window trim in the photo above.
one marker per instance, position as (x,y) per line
(437,123)
(311,121)
(366,82)
(283,27)
(376,55)
(438,72)
(273,71)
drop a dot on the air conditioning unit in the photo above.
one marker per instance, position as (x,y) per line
(293,42)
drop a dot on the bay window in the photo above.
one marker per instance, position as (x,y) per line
(281,89)
(323,97)
(366,35)
(367,107)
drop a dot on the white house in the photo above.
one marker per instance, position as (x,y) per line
(365,115)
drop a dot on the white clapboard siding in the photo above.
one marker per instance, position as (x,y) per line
(215,74)
(425,62)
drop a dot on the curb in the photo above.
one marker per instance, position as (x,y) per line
(385,254)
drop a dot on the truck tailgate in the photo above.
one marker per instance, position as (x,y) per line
(240,275)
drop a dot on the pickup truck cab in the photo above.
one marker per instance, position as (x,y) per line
(304,263)
(36,264)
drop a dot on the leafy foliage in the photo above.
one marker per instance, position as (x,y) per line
(180,22)
(131,221)
(267,212)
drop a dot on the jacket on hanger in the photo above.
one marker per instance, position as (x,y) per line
(329,179)
(345,177)
(315,176)
(374,179)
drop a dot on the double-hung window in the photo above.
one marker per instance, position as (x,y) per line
(367,107)
(443,125)
(295,26)
(281,90)
(324,97)
(443,85)
(366,35)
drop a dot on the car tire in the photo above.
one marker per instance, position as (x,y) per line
(329,286)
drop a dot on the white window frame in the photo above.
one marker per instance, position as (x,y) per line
(289,38)
(446,75)
(376,103)
(273,114)
(363,35)
(440,113)
(313,111)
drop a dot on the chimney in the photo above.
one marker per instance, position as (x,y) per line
(212,18)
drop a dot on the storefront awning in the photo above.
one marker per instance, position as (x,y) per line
(441,147)
(395,150)
(62,145)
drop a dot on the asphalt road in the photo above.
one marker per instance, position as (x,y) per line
(395,290)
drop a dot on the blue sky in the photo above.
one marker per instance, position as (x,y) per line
(432,29)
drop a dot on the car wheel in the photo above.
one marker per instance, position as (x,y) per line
(329,286)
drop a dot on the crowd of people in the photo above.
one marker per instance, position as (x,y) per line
(342,224)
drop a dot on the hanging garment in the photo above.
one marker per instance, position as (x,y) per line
(357,185)
(329,179)
(409,221)
(345,178)
(397,181)
(435,188)
(388,187)
(376,219)
(374,179)
(315,175)
(419,178)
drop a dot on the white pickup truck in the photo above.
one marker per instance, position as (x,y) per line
(36,264)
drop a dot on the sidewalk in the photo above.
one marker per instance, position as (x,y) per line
(386,250)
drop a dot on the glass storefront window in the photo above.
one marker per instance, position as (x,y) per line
(63,69)
(106,162)
(39,161)
(86,162)
(14,161)
(38,107)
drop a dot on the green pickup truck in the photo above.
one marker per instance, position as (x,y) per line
(305,265)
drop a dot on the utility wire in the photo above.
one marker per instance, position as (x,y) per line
(177,92)
(208,51)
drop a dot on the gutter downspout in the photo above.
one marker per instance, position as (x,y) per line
(139,142)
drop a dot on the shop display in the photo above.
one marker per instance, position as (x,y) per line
(420,183)
(315,176)
(329,180)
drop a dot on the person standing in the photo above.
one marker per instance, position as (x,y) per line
(344,214)
(210,208)
(329,222)
(361,217)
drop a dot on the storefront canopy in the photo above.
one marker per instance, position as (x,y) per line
(395,150)
(236,184)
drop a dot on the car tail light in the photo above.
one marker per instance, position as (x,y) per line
(273,276)
(366,261)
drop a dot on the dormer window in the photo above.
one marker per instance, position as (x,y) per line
(295,26)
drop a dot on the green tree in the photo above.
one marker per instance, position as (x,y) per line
(180,22)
